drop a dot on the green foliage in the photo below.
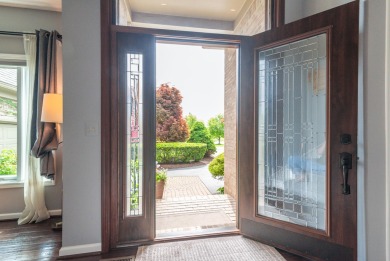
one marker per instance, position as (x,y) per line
(134,178)
(200,134)
(134,200)
(191,119)
(170,125)
(221,190)
(8,162)
(10,108)
(216,167)
(161,174)
(216,127)
(179,152)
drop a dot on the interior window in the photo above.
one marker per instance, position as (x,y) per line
(10,84)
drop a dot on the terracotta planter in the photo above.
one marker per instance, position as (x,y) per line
(160,189)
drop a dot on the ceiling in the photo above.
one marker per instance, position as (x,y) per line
(50,5)
(223,10)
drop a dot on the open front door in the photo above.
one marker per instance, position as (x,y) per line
(297,136)
(136,144)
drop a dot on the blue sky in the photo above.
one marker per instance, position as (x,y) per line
(199,75)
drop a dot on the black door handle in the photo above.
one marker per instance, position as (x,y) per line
(345,165)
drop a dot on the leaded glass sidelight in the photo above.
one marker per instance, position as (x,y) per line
(134,174)
(292,93)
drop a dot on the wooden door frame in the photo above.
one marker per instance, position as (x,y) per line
(108,79)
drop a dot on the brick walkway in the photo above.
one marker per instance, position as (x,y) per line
(187,205)
(178,187)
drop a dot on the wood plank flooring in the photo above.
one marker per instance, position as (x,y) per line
(39,242)
(29,242)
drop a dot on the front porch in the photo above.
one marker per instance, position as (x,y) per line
(189,207)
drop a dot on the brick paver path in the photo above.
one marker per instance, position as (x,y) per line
(187,198)
(197,204)
(178,187)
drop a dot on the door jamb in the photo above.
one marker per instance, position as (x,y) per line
(107,28)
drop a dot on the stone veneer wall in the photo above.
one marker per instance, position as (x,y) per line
(252,22)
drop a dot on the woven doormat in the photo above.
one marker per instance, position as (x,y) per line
(213,249)
(124,258)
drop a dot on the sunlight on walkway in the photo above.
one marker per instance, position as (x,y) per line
(187,205)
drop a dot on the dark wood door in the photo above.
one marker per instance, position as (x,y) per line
(132,130)
(136,143)
(297,130)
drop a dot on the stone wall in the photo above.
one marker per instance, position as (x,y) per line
(252,21)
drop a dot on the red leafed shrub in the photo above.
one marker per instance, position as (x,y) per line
(170,125)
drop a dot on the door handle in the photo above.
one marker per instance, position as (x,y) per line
(345,165)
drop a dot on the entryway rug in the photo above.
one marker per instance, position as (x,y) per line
(231,248)
(124,258)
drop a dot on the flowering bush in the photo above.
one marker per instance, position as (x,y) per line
(161,174)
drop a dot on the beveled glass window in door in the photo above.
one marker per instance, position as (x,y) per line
(292,107)
(134,175)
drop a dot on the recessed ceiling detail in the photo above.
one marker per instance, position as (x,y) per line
(204,9)
(48,5)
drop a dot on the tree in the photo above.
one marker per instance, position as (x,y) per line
(171,126)
(216,127)
(191,119)
(200,134)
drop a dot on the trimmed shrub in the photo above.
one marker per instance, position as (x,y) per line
(200,134)
(180,152)
(216,167)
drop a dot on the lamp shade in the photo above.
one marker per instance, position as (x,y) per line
(52,108)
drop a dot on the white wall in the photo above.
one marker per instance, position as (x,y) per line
(81,161)
(294,10)
(297,9)
(27,20)
(387,69)
(387,30)
(24,20)
(375,129)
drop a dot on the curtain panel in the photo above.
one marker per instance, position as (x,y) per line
(43,134)
(44,60)
(34,197)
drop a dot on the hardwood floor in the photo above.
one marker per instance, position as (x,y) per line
(29,242)
(39,242)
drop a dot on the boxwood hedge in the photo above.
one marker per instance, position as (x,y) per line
(179,152)
(217,166)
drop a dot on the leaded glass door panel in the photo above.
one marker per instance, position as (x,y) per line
(297,122)
(136,148)
(292,109)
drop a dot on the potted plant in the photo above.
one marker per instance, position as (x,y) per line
(161,177)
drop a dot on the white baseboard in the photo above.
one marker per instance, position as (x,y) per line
(55,212)
(80,249)
(10,216)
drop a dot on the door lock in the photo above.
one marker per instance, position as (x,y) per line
(345,165)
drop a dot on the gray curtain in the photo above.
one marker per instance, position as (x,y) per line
(43,136)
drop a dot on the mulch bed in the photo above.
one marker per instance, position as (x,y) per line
(202,162)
